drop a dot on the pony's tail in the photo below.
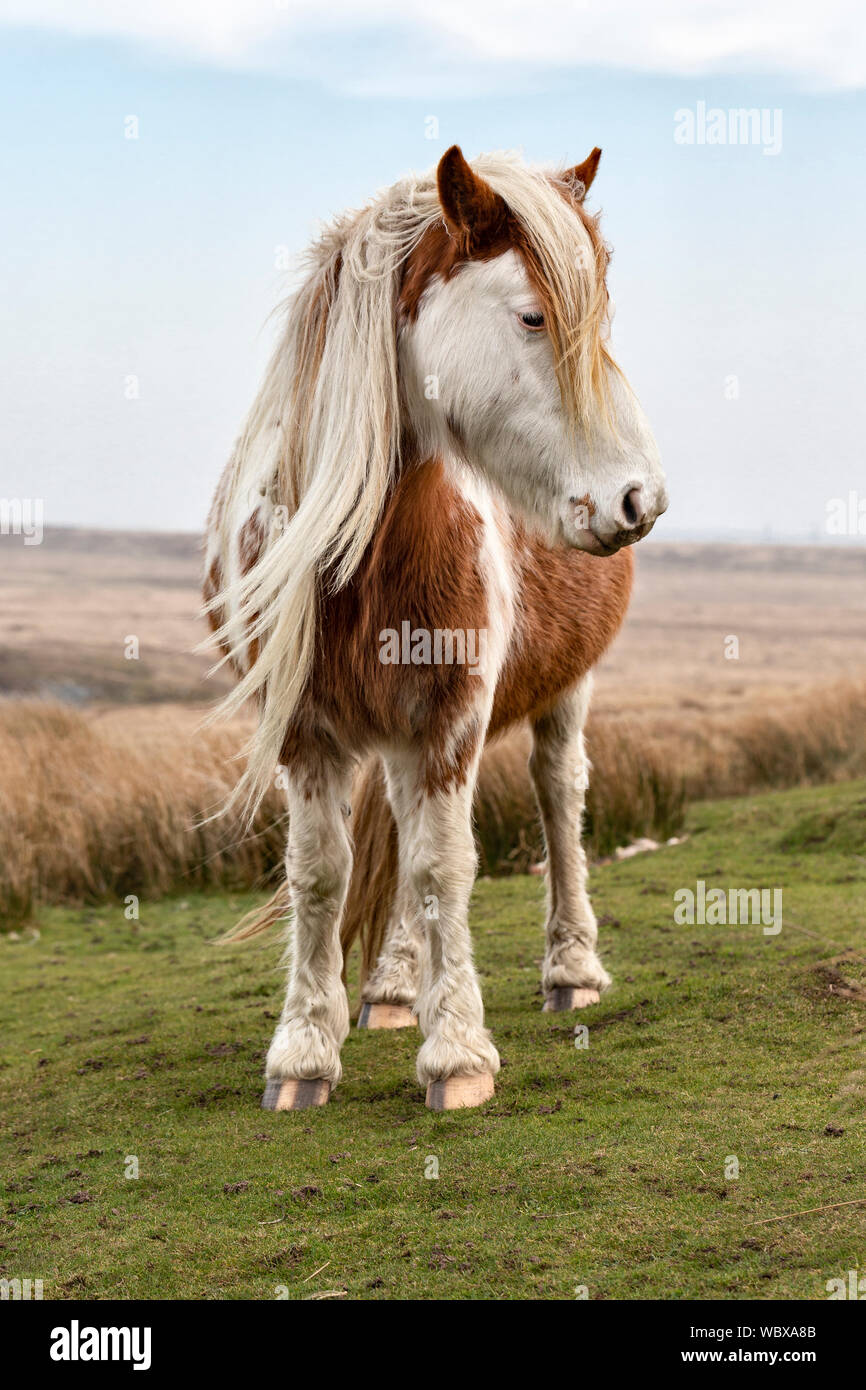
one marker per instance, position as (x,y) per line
(372,886)
(276,909)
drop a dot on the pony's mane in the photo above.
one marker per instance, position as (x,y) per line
(323,437)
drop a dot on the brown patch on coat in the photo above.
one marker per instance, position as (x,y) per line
(251,539)
(423,567)
(447,765)
(438,253)
(213,585)
(572,606)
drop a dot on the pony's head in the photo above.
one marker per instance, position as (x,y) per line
(502,347)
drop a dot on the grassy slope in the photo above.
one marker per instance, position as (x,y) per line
(601,1167)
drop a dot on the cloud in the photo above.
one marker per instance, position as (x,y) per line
(822,45)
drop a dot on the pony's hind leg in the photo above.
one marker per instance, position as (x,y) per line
(572,974)
(457,1060)
(303,1061)
(389,993)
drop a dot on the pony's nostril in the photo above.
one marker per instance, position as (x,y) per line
(633,509)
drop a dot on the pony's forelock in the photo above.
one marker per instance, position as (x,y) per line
(566,258)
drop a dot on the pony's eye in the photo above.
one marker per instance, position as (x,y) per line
(532,320)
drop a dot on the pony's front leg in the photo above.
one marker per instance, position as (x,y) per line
(572,974)
(303,1061)
(457,1060)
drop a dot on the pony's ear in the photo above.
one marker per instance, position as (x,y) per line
(581,176)
(474,213)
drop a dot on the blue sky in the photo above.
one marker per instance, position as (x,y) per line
(157,257)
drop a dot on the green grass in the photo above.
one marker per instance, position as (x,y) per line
(601,1167)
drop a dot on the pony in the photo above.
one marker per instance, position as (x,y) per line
(421,538)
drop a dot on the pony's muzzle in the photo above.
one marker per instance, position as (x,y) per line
(634,515)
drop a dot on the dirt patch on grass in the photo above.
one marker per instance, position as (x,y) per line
(844,976)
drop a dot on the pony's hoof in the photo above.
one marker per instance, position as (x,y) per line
(566,997)
(296,1095)
(458,1092)
(386,1016)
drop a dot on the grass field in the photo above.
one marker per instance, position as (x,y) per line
(600,1168)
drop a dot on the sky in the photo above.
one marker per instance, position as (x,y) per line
(139,273)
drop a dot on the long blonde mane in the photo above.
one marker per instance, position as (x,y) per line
(327,419)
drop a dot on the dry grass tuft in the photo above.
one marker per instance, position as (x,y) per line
(100,806)
(94,809)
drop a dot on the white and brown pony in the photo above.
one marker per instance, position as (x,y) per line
(420,539)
